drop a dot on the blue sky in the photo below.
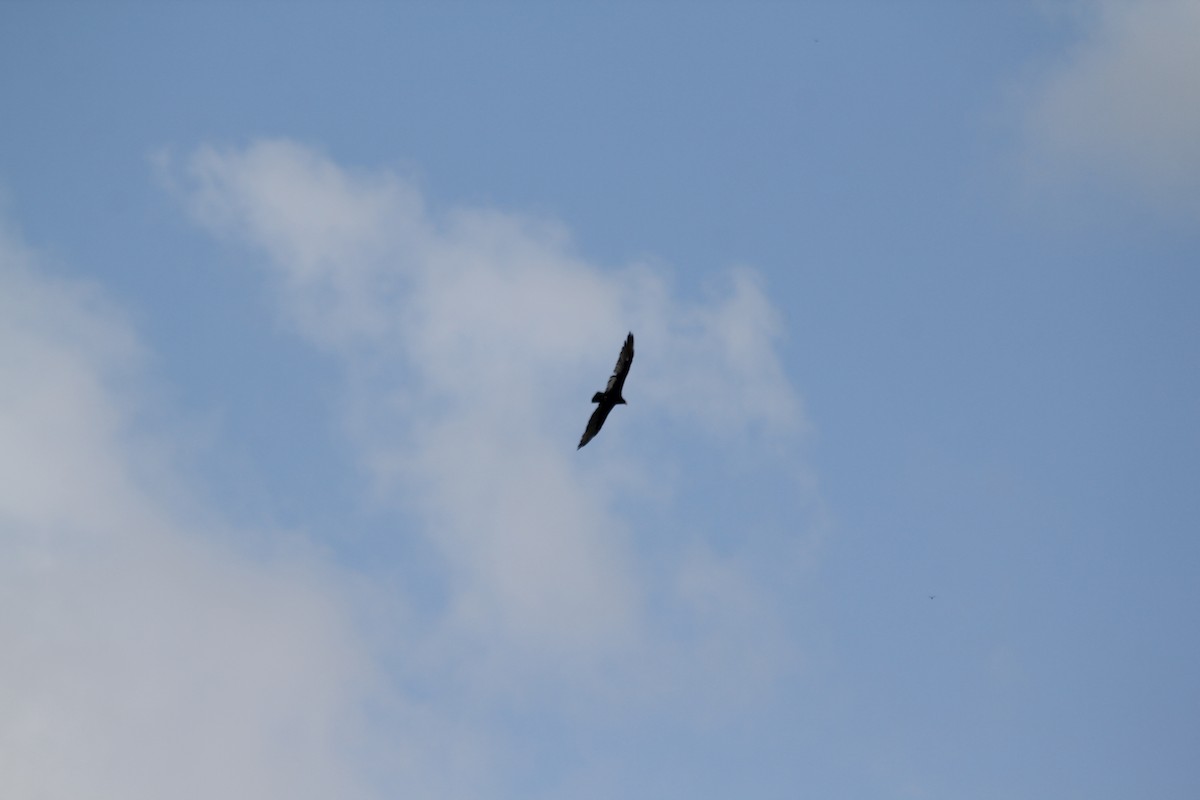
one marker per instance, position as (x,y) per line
(301,306)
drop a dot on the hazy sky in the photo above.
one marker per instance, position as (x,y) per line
(301,306)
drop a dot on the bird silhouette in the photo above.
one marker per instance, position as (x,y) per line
(610,398)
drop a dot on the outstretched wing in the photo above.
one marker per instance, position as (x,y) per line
(617,382)
(595,423)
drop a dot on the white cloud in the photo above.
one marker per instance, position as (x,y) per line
(1124,103)
(145,656)
(473,339)
(141,658)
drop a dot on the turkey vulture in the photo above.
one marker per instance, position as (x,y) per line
(611,396)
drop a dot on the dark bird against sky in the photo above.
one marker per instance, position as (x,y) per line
(611,396)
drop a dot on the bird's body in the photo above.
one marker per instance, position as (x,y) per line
(611,397)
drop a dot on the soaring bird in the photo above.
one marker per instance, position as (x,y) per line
(611,396)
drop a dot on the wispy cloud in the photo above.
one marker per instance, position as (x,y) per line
(1124,103)
(469,336)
